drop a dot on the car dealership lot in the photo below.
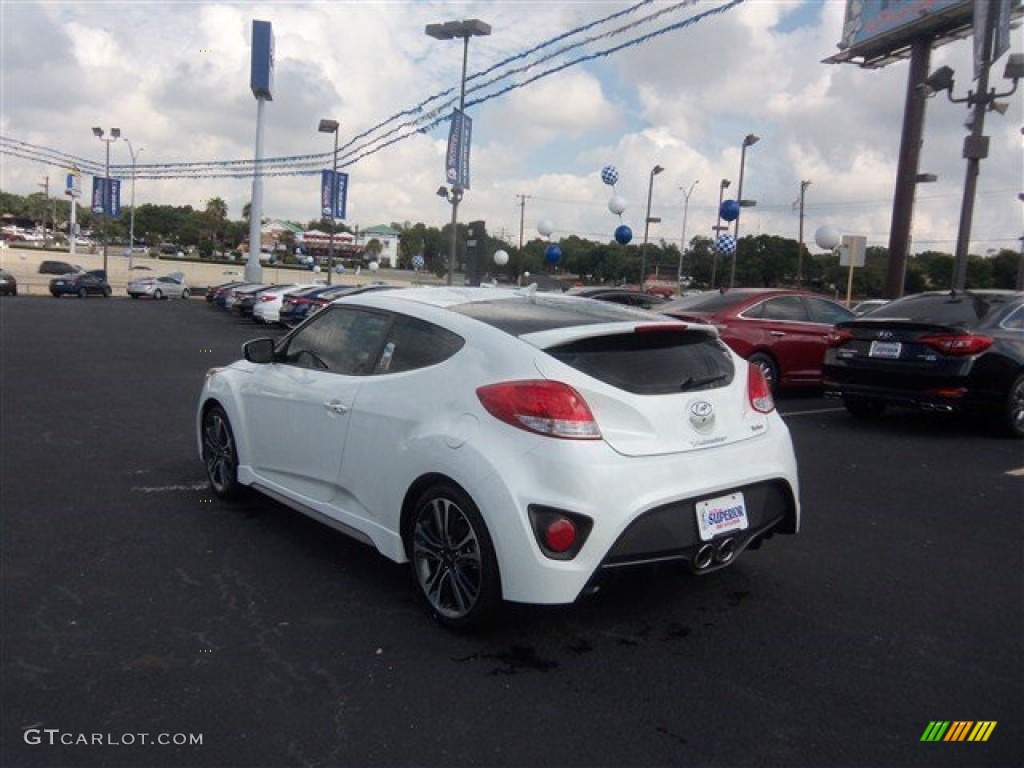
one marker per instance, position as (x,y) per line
(134,603)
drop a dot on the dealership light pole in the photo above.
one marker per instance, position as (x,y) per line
(647,222)
(722,186)
(115,133)
(450,30)
(682,238)
(748,141)
(331,126)
(131,220)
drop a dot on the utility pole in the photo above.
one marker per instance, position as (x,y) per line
(46,191)
(800,252)
(522,217)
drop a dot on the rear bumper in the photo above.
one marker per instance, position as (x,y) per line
(669,532)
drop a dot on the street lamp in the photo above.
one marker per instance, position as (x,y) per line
(647,222)
(449,30)
(722,186)
(749,140)
(131,225)
(682,239)
(331,126)
(115,134)
(975,144)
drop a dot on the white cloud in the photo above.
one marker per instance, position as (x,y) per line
(175,78)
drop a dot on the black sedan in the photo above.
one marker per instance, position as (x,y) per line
(940,351)
(80,284)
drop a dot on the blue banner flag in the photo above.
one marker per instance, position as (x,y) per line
(457,159)
(106,196)
(333,194)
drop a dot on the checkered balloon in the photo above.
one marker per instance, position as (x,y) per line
(418,262)
(725,243)
(610,175)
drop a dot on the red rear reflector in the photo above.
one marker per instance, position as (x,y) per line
(957,344)
(548,408)
(758,391)
(560,535)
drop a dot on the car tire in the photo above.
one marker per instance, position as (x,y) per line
(82,293)
(220,453)
(1013,412)
(158,294)
(768,367)
(185,294)
(453,560)
(55,294)
(107,292)
(863,407)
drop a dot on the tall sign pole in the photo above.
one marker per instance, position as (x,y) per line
(260,81)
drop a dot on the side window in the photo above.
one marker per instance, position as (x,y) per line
(827,312)
(784,308)
(415,343)
(343,340)
(1014,321)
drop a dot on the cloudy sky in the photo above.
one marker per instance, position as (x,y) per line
(174,77)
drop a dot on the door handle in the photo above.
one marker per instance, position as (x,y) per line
(335,406)
(777,333)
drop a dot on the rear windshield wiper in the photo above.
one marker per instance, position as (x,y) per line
(696,383)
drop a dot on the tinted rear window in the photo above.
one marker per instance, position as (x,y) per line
(964,309)
(655,363)
(520,316)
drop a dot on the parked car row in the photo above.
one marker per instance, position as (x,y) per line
(285,305)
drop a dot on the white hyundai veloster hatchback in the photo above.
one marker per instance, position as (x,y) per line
(512,445)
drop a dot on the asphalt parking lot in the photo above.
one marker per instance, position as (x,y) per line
(137,609)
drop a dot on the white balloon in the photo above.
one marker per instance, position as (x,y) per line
(316,268)
(617,204)
(374,266)
(827,237)
(501,258)
(545,227)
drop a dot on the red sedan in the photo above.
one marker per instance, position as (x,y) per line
(783,332)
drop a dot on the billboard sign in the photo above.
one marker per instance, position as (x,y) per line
(261,78)
(876,28)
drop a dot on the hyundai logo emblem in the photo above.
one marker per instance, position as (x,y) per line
(884,334)
(702,413)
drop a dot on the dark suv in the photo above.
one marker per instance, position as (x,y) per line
(59,268)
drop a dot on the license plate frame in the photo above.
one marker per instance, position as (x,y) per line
(722,514)
(886,350)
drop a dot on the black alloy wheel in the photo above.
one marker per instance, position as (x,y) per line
(453,560)
(220,454)
(82,293)
(1013,414)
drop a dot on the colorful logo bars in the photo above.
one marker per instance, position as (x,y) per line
(958,730)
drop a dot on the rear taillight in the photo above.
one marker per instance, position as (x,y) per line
(758,391)
(838,337)
(266,298)
(957,344)
(548,408)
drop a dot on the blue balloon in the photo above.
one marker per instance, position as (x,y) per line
(552,254)
(623,234)
(730,210)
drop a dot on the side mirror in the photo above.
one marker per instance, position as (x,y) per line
(259,351)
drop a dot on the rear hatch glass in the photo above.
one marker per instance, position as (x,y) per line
(651,363)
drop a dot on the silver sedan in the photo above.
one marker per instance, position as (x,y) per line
(166,287)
